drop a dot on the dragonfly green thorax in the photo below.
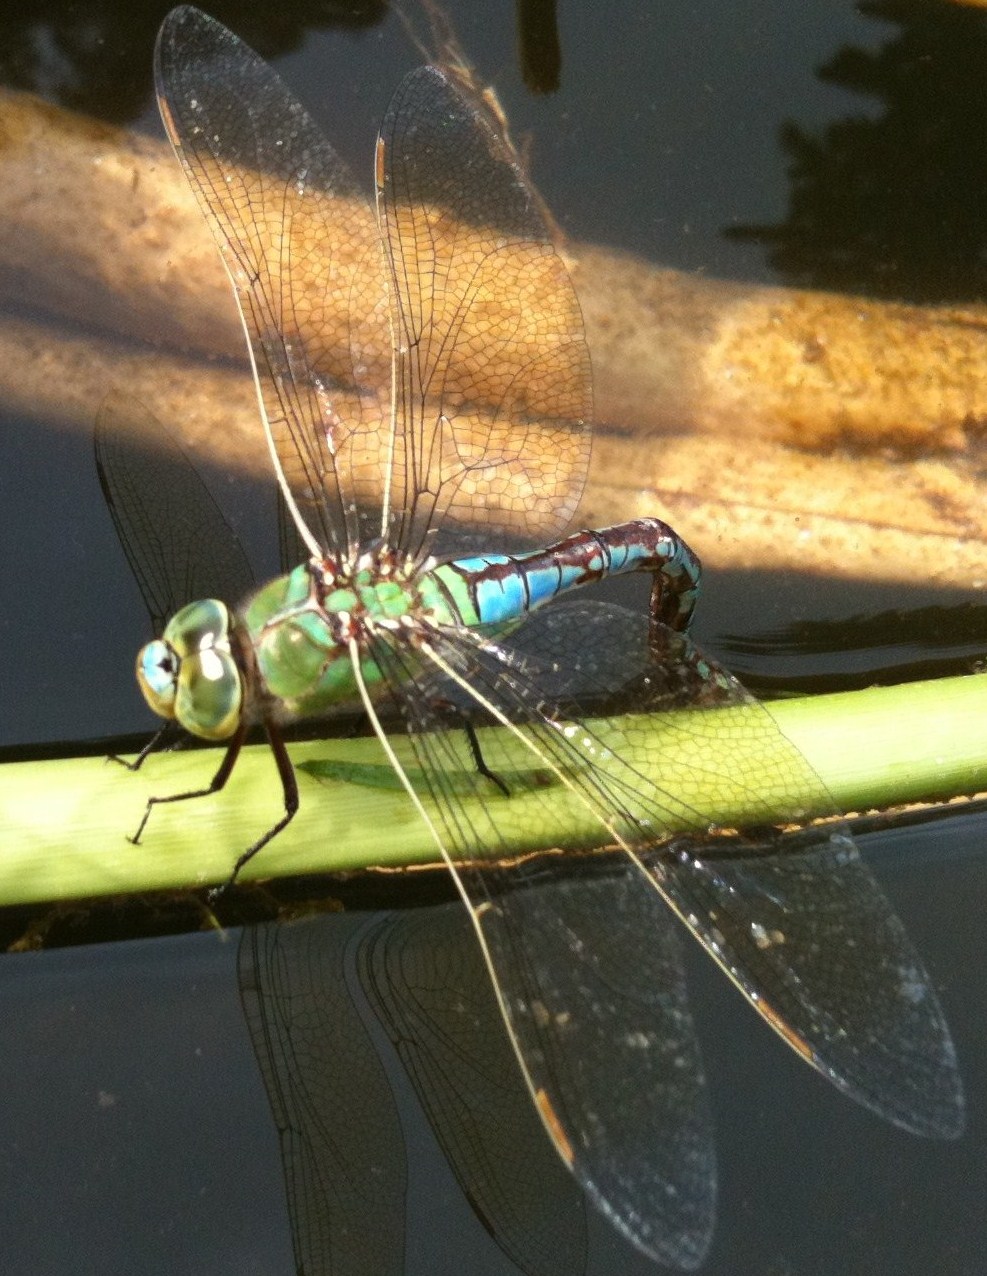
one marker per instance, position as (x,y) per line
(286,652)
(422,366)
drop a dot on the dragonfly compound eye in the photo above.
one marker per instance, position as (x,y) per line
(204,691)
(209,699)
(157,675)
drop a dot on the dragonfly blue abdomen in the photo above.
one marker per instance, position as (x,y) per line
(495,589)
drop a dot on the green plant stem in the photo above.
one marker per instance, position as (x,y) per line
(64,822)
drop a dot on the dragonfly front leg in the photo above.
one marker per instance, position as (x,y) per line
(218,781)
(154,745)
(286,773)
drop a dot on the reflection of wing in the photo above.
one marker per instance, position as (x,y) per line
(841,983)
(177,541)
(427,983)
(622,1069)
(492,381)
(302,248)
(341,1141)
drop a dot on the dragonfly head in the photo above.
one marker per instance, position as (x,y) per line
(190,673)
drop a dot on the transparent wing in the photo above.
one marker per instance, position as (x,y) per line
(491,416)
(177,540)
(342,1148)
(426,981)
(301,244)
(292,550)
(810,938)
(493,401)
(840,982)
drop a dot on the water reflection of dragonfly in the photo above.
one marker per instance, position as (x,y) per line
(316,992)
(449,403)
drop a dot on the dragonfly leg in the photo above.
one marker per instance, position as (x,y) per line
(218,781)
(152,746)
(478,758)
(289,788)
(472,739)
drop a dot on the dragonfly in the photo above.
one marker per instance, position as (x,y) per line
(425,391)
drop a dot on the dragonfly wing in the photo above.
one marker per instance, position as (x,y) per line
(810,938)
(176,538)
(587,969)
(425,979)
(493,398)
(341,1143)
(292,550)
(796,919)
(301,245)
(603,1027)
(880,1036)
(588,973)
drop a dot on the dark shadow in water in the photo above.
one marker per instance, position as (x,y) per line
(94,57)
(883,648)
(538,44)
(890,201)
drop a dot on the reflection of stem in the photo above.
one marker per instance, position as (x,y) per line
(65,821)
(97,222)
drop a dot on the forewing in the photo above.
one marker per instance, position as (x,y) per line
(493,402)
(292,550)
(175,537)
(301,245)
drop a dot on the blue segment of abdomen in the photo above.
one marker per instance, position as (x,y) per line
(496,586)
(496,589)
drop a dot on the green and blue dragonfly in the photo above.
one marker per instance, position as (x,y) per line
(424,385)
